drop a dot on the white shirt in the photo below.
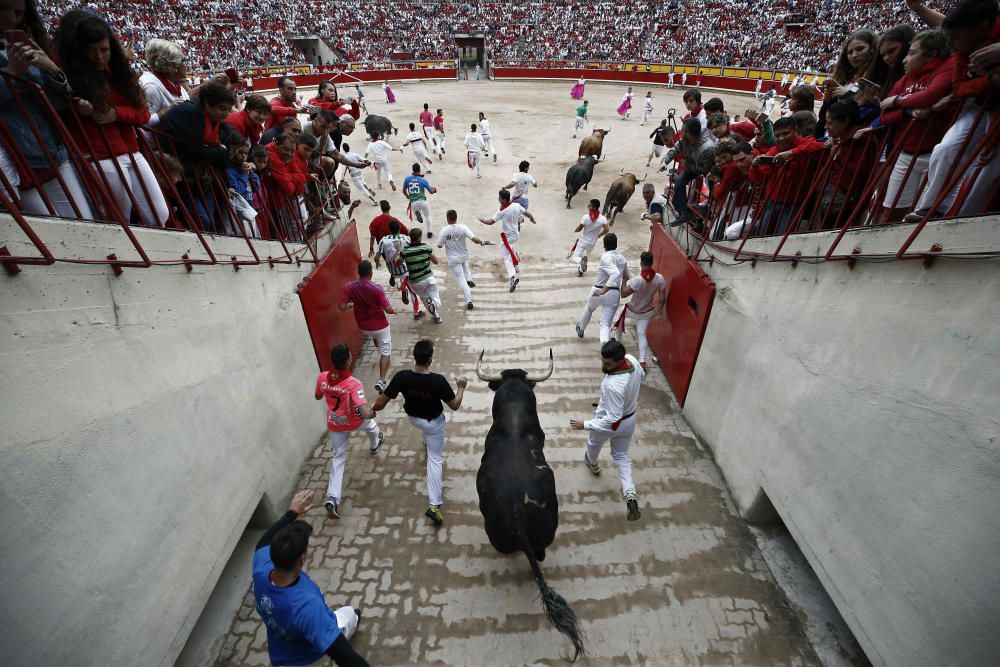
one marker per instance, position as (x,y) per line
(353,171)
(379,150)
(647,103)
(522,181)
(507,219)
(644,293)
(474,142)
(611,269)
(158,98)
(484,127)
(389,248)
(416,142)
(619,397)
(591,230)
(452,238)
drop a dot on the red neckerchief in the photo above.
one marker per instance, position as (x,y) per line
(172,88)
(503,206)
(647,275)
(594,215)
(623,367)
(211,132)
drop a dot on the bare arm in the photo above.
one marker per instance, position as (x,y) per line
(380,403)
(434,260)
(456,402)
(627,291)
(486,221)
(931,17)
(605,228)
(579,228)
(530,217)
(366,411)
(509,185)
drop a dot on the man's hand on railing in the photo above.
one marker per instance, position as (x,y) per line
(862,132)
(943,103)
(921,114)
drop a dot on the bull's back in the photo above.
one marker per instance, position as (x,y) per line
(507,488)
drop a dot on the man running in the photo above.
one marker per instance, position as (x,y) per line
(649,297)
(427,123)
(418,143)
(647,108)
(356,174)
(474,147)
(301,628)
(614,419)
(581,117)
(487,134)
(416,186)
(389,248)
(418,257)
(379,150)
(423,394)
(439,134)
(379,228)
(368,302)
(660,136)
(521,182)
(592,226)
(347,411)
(611,273)
(509,217)
(452,239)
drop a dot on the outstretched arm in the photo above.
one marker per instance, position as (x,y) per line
(301,503)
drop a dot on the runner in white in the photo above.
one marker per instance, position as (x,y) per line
(418,143)
(614,419)
(647,108)
(756,90)
(649,297)
(487,133)
(361,97)
(508,216)
(592,226)
(357,175)
(379,151)
(612,273)
(439,134)
(521,182)
(784,80)
(474,147)
(684,79)
(452,239)
(389,248)
(670,80)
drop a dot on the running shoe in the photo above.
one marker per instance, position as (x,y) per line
(632,507)
(378,442)
(380,386)
(494,157)
(332,509)
(579,330)
(513,283)
(594,467)
(469,305)
(392,185)
(406,297)
(434,514)
(642,365)
(470,283)
(583,264)
(419,315)
(392,281)
(430,235)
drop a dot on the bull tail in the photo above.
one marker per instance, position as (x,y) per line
(557,610)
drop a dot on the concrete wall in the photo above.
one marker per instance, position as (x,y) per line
(865,403)
(144,418)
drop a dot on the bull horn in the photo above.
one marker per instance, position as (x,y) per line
(479,371)
(622,172)
(552,365)
(644,177)
(603,158)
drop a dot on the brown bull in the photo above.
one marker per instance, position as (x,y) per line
(621,190)
(594,144)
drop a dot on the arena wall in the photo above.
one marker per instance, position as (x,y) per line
(865,403)
(147,418)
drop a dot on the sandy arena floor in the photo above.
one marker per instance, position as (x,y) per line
(684,585)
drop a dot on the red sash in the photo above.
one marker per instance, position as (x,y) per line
(513,255)
(405,285)
(409,210)
(573,249)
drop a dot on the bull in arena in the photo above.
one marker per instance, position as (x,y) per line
(379,126)
(578,176)
(517,490)
(594,144)
(621,190)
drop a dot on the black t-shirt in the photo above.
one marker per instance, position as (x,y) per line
(423,393)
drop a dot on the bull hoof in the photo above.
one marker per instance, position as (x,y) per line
(540,555)
(585,187)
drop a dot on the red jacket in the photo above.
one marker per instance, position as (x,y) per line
(921,90)
(746,129)
(732,179)
(287,178)
(790,182)
(245,125)
(851,162)
(113,139)
(337,107)
(280,110)
(963,86)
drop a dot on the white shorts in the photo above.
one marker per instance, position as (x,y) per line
(659,150)
(383,340)
(579,121)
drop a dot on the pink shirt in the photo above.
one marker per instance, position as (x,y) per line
(369,302)
(426,118)
(343,396)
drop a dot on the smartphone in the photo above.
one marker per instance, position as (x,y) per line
(865,84)
(18,36)
(765,159)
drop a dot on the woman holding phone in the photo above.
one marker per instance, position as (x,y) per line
(113,107)
(856,56)
(26,153)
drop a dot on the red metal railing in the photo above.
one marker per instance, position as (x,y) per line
(51,169)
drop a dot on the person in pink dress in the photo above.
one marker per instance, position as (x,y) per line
(625,108)
(577,92)
(389,97)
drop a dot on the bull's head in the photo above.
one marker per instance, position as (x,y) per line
(496,380)
(601,132)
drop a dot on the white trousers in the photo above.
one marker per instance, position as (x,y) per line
(380,167)
(609,303)
(338,441)
(642,321)
(358,180)
(645,116)
(463,274)
(423,207)
(427,290)
(947,156)
(438,141)
(474,159)
(488,142)
(423,159)
(508,261)
(428,133)
(32,202)
(581,251)
(152,210)
(433,435)
(907,191)
(620,440)
(247,215)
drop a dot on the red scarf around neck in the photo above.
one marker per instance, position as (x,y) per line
(172,88)
(594,215)
(211,132)
(503,205)
(647,274)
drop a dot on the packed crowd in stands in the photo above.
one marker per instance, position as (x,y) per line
(222,33)
(915,104)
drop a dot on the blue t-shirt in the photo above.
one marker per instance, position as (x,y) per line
(300,627)
(414,187)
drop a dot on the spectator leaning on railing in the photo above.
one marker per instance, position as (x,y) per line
(164,83)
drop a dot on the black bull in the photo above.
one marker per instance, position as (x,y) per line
(578,176)
(379,126)
(517,490)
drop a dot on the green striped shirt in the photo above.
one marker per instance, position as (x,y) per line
(418,261)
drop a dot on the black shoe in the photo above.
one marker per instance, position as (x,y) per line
(470,283)
(434,514)
(632,507)
(469,305)
(392,282)
(406,297)
(430,235)
(378,443)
